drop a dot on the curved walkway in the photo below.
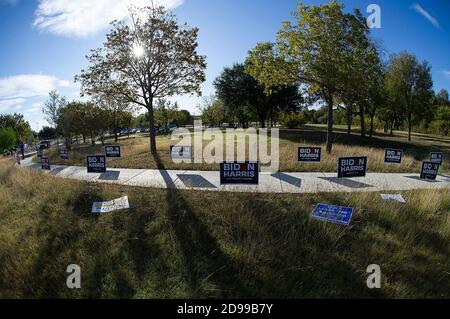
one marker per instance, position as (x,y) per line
(268,182)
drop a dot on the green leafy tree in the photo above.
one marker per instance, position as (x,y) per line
(364,72)
(67,122)
(183,118)
(212,111)
(442,120)
(51,110)
(150,59)
(292,119)
(409,84)
(8,138)
(314,51)
(242,95)
(443,97)
(126,120)
(113,108)
(51,107)
(165,112)
(17,122)
(142,120)
(47,133)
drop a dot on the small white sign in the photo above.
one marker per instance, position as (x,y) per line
(180,152)
(106,207)
(393,198)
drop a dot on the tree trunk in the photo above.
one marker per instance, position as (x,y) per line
(371,124)
(409,127)
(363,122)
(115,127)
(68,140)
(330,124)
(262,121)
(151,123)
(349,120)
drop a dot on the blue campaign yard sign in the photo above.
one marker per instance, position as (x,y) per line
(334,214)
(64,154)
(436,157)
(112,151)
(239,173)
(309,154)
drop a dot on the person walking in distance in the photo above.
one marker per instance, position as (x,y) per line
(22,149)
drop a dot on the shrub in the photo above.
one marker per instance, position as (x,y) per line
(292,119)
(8,138)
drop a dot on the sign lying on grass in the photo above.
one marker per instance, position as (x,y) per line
(352,166)
(179,152)
(45,163)
(334,214)
(110,206)
(393,156)
(40,152)
(429,170)
(393,198)
(96,164)
(112,151)
(436,157)
(239,173)
(64,154)
(309,154)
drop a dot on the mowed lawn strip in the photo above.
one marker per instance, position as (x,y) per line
(187,244)
(135,152)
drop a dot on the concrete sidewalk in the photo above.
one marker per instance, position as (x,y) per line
(268,182)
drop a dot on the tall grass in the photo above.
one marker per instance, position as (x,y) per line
(187,244)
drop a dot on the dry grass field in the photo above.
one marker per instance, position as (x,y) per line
(187,244)
(135,151)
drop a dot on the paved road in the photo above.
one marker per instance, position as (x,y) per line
(269,183)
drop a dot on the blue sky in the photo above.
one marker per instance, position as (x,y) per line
(43,43)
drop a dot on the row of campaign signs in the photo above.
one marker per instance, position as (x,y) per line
(356,166)
(94,163)
(248,172)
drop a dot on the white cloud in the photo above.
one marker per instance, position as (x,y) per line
(28,85)
(426,15)
(84,17)
(20,92)
(64,83)
(11,105)
(446,73)
(34,110)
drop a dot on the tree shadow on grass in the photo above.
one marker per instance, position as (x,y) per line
(47,277)
(100,265)
(210,272)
